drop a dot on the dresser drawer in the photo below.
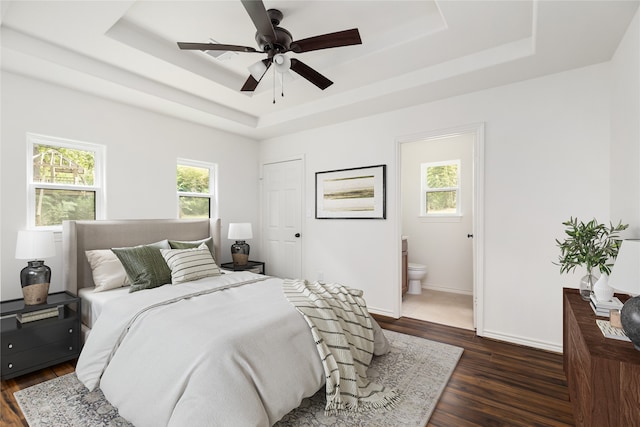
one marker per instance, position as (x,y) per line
(38,334)
(27,347)
(26,361)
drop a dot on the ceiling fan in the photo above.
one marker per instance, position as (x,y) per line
(275,41)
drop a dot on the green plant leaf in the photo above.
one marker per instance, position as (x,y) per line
(591,244)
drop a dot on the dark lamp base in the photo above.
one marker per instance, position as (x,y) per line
(240,252)
(35,294)
(240,259)
(35,279)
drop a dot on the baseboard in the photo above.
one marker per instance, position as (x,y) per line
(387,313)
(541,345)
(445,289)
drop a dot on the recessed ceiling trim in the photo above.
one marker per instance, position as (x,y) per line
(481,60)
(140,39)
(35,68)
(58,55)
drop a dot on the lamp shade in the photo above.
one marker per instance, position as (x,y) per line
(625,274)
(257,70)
(240,231)
(32,244)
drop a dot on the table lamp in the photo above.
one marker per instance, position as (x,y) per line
(35,277)
(625,277)
(240,231)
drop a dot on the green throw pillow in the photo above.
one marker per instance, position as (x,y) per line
(145,266)
(181,244)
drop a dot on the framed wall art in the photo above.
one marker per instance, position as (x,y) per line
(357,193)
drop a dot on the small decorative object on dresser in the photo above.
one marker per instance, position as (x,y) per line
(625,277)
(591,245)
(240,231)
(35,277)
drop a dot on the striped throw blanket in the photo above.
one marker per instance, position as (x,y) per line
(343,332)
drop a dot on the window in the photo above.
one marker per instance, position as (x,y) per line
(64,181)
(196,189)
(440,188)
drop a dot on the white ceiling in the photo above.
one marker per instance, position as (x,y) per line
(412,52)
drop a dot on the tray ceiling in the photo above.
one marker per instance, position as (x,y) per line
(412,52)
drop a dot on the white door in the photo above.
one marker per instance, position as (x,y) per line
(282,218)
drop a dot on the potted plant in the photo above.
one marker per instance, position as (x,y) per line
(591,245)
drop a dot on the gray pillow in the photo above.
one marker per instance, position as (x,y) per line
(183,244)
(145,266)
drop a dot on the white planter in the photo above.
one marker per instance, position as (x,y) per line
(602,290)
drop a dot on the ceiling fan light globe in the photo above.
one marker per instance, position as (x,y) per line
(282,63)
(257,70)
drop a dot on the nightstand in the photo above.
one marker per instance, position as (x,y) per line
(252,266)
(31,345)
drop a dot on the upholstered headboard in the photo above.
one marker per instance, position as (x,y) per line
(81,236)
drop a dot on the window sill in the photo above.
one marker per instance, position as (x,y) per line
(440,218)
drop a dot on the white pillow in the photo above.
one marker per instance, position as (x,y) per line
(190,264)
(108,272)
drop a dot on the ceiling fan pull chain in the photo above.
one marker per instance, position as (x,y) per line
(282,84)
(274,85)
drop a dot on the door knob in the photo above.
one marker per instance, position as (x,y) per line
(297,234)
(469,236)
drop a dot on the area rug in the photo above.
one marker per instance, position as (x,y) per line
(417,368)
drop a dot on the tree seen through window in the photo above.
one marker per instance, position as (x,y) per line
(440,188)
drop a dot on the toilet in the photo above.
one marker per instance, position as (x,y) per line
(416,273)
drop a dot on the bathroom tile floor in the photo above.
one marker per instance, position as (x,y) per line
(445,308)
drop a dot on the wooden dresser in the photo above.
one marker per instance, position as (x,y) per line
(603,374)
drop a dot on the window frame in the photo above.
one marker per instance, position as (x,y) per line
(98,187)
(425,189)
(212,195)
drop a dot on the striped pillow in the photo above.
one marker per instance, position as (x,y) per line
(190,264)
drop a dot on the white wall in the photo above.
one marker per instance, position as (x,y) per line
(546,158)
(142,148)
(439,243)
(625,130)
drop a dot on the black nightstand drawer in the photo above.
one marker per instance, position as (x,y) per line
(26,361)
(26,347)
(37,334)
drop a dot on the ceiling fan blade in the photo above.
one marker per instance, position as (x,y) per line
(260,18)
(216,46)
(325,41)
(310,74)
(251,83)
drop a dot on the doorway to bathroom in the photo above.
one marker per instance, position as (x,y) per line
(438,176)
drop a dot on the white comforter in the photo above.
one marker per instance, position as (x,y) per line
(241,356)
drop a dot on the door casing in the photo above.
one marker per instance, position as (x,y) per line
(478,213)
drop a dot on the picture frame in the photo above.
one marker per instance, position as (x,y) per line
(356,193)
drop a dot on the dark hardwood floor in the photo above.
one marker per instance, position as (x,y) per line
(11,415)
(494,384)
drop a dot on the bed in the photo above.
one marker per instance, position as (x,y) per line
(81,236)
(222,350)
